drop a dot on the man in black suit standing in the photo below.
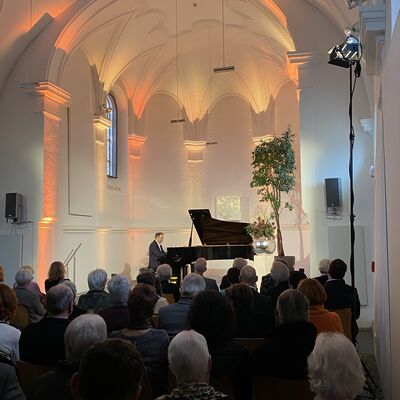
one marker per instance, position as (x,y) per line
(156,251)
(200,267)
(340,295)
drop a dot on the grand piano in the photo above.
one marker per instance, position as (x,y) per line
(219,240)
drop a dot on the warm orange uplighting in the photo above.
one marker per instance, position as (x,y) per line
(276,11)
(45,248)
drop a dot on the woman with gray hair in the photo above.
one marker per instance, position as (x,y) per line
(96,298)
(335,368)
(284,351)
(190,362)
(323,268)
(280,275)
(117,316)
(83,332)
(164,272)
(29,299)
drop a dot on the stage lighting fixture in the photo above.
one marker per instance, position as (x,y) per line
(347,53)
(353,3)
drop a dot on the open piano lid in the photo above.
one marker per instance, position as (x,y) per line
(212,231)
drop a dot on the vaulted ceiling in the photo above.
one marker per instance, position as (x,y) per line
(135,42)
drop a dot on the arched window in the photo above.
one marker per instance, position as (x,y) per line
(112,137)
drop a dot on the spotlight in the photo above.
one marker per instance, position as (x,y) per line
(347,53)
(353,3)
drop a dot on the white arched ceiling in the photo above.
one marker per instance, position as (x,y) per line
(69,24)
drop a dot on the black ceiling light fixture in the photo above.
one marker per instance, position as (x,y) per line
(177,119)
(224,68)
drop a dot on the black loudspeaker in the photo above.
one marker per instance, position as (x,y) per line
(333,193)
(13,207)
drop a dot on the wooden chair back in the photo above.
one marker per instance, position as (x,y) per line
(170,298)
(21,318)
(222,384)
(345,316)
(250,344)
(27,373)
(146,392)
(269,388)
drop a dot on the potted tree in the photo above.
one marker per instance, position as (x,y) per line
(274,168)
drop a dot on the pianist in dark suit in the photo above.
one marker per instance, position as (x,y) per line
(156,251)
(200,267)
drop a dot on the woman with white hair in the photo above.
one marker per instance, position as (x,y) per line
(335,368)
(117,316)
(280,274)
(83,332)
(284,352)
(190,362)
(164,272)
(26,297)
(323,268)
(96,298)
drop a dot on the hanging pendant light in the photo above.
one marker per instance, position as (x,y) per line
(177,119)
(224,68)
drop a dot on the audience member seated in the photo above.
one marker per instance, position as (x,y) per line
(200,267)
(212,316)
(96,298)
(9,336)
(173,318)
(10,388)
(164,273)
(29,299)
(285,350)
(295,277)
(151,343)
(43,342)
(190,362)
(335,368)
(56,275)
(259,319)
(83,332)
(323,268)
(280,275)
(150,278)
(238,263)
(76,311)
(33,286)
(267,282)
(323,320)
(112,369)
(117,316)
(340,295)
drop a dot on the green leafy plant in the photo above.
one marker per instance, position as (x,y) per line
(274,168)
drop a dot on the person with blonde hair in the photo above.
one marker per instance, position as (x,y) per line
(323,320)
(56,275)
(334,368)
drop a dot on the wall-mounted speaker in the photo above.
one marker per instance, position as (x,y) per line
(13,207)
(333,195)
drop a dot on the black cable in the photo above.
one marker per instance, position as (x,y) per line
(352,87)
